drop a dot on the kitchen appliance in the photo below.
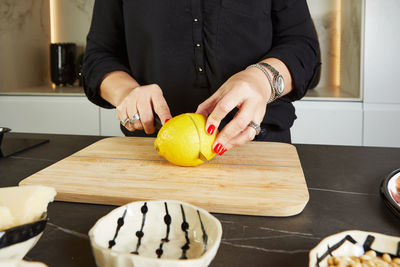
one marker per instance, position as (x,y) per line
(10,145)
(3,130)
(62,63)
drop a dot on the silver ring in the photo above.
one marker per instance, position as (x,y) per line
(124,121)
(134,118)
(255,126)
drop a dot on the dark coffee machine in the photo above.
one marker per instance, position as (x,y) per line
(62,63)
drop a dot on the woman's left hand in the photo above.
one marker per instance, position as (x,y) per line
(249,91)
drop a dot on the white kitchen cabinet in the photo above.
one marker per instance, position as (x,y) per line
(319,122)
(381,52)
(328,122)
(382,125)
(49,114)
(109,125)
(381,74)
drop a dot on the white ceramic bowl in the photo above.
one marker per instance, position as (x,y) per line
(16,242)
(353,243)
(156,234)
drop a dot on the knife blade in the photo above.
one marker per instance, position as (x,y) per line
(201,155)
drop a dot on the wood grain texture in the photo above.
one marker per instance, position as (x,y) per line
(258,178)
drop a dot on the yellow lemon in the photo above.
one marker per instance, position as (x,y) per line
(183,140)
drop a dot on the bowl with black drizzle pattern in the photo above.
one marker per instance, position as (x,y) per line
(158,233)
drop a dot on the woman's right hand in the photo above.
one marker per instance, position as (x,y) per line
(124,92)
(145,101)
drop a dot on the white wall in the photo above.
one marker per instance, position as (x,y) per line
(382,73)
(382,52)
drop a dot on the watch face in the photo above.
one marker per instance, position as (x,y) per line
(279,84)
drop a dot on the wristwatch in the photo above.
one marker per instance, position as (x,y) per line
(278,83)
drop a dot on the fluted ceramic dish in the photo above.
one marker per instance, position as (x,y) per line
(16,242)
(353,243)
(163,233)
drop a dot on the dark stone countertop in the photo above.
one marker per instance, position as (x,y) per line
(343,184)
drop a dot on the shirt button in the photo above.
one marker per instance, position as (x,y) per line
(200,69)
(195,20)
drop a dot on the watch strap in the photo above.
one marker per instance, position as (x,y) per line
(272,69)
(276,78)
(273,91)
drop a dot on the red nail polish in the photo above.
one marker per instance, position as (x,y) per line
(218,148)
(211,129)
(166,120)
(222,152)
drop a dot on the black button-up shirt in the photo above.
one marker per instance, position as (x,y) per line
(191,47)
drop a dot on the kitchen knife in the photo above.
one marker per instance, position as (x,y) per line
(201,155)
(157,122)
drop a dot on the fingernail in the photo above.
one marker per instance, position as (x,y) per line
(222,152)
(211,129)
(166,120)
(218,148)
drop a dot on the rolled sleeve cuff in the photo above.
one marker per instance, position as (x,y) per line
(92,79)
(301,77)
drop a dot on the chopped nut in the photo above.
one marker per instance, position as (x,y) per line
(386,257)
(370,253)
(369,259)
(365,258)
(331,261)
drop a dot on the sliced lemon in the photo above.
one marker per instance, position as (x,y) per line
(183,140)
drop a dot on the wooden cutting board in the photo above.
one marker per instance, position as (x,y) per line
(259,178)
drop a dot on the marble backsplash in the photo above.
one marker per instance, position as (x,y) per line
(26,22)
(71,20)
(24,39)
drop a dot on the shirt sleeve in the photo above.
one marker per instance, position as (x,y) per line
(295,43)
(105,48)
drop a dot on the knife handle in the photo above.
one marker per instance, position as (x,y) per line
(157,121)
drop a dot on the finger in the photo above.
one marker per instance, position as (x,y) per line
(123,117)
(132,111)
(236,126)
(245,136)
(137,125)
(121,112)
(130,127)
(161,108)
(208,105)
(225,105)
(146,115)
